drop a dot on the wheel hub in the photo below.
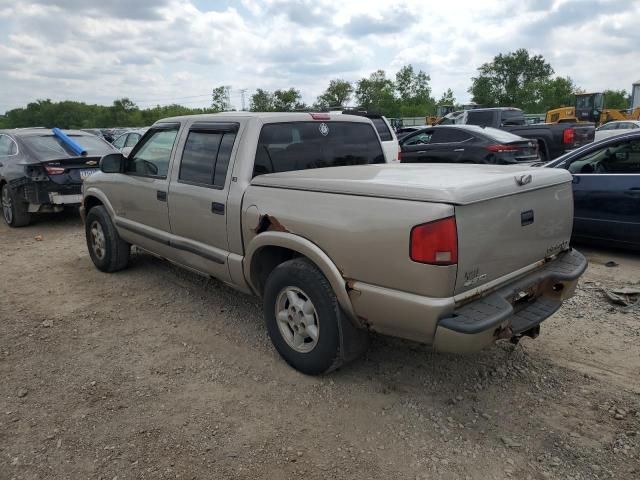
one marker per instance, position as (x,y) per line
(297,319)
(97,240)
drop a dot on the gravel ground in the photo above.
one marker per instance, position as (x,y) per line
(157,373)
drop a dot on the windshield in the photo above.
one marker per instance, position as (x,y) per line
(284,147)
(48,147)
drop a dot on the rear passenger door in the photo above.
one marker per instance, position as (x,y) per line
(448,145)
(198,198)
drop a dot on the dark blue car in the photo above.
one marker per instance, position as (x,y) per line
(606,190)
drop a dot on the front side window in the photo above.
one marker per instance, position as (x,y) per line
(152,158)
(622,157)
(7,146)
(284,147)
(119,142)
(132,139)
(422,138)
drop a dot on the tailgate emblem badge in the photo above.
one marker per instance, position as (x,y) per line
(91,162)
(324,129)
(523,179)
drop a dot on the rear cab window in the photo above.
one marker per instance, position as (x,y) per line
(284,147)
(479,118)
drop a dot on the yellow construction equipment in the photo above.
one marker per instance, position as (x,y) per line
(441,111)
(590,107)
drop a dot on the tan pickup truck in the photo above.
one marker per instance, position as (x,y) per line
(301,210)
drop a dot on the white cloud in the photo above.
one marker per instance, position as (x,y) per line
(159,50)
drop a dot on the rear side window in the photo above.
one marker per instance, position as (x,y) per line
(205,157)
(283,147)
(383,130)
(449,135)
(479,118)
(513,117)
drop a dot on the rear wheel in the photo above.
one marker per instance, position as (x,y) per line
(14,210)
(108,251)
(305,322)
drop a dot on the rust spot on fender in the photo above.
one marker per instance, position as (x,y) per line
(350,286)
(269,223)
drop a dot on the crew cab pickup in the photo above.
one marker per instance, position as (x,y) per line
(553,139)
(300,210)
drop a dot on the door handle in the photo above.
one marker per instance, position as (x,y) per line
(162,196)
(459,150)
(421,151)
(217,208)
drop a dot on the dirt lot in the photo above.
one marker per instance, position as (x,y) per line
(157,373)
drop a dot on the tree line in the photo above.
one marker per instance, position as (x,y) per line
(516,79)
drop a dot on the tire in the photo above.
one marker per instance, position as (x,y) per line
(108,251)
(14,210)
(289,316)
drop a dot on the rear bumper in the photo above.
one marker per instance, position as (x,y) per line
(48,193)
(514,308)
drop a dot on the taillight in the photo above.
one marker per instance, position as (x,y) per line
(568,135)
(435,243)
(53,170)
(502,148)
(320,116)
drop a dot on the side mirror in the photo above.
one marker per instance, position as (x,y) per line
(112,163)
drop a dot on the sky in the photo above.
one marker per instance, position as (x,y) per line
(176,51)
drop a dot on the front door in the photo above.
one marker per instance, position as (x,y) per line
(414,147)
(607,193)
(140,195)
(198,198)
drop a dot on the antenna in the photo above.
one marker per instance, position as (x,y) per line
(242,92)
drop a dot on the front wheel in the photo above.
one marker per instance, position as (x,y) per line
(305,322)
(108,251)
(14,210)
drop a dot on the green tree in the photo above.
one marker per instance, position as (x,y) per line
(337,95)
(261,101)
(287,100)
(617,99)
(558,92)
(376,93)
(414,93)
(220,98)
(447,98)
(511,80)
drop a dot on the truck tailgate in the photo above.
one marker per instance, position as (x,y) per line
(502,235)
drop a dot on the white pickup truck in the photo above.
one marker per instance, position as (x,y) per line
(300,210)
